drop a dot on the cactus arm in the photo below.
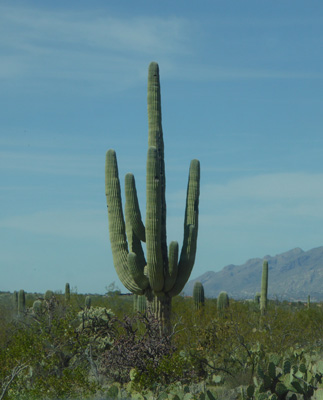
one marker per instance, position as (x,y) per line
(117,232)
(132,210)
(171,274)
(134,227)
(188,252)
(153,223)
(137,271)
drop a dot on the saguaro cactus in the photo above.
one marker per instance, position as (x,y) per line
(160,275)
(67,293)
(222,302)
(87,302)
(198,295)
(264,288)
(21,302)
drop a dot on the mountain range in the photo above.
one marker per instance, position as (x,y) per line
(292,276)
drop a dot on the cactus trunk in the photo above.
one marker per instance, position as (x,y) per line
(162,275)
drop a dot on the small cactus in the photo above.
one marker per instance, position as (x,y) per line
(49,295)
(88,302)
(37,307)
(198,295)
(257,298)
(223,301)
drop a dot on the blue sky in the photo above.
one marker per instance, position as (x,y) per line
(241,89)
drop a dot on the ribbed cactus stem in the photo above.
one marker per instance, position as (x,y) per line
(141,304)
(162,273)
(198,295)
(264,288)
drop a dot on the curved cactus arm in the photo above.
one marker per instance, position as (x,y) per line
(155,139)
(132,210)
(117,232)
(186,261)
(134,227)
(153,223)
(137,272)
(171,274)
(188,252)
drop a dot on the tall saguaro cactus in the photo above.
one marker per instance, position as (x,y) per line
(159,275)
(264,288)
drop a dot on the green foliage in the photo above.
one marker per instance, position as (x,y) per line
(61,351)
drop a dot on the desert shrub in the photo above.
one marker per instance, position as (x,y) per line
(139,345)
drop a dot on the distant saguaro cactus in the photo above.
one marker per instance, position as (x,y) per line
(67,293)
(15,301)
(222,301)
(49,294)
(264,288)
(21,302)
(162,276)
(88,302)
(198,295)
(37,307)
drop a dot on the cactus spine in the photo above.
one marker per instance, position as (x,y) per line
(264,288)
(198,295)
(162,275)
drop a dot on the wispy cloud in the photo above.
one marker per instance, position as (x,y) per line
(84,45)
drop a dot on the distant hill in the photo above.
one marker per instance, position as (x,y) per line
(292,276)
